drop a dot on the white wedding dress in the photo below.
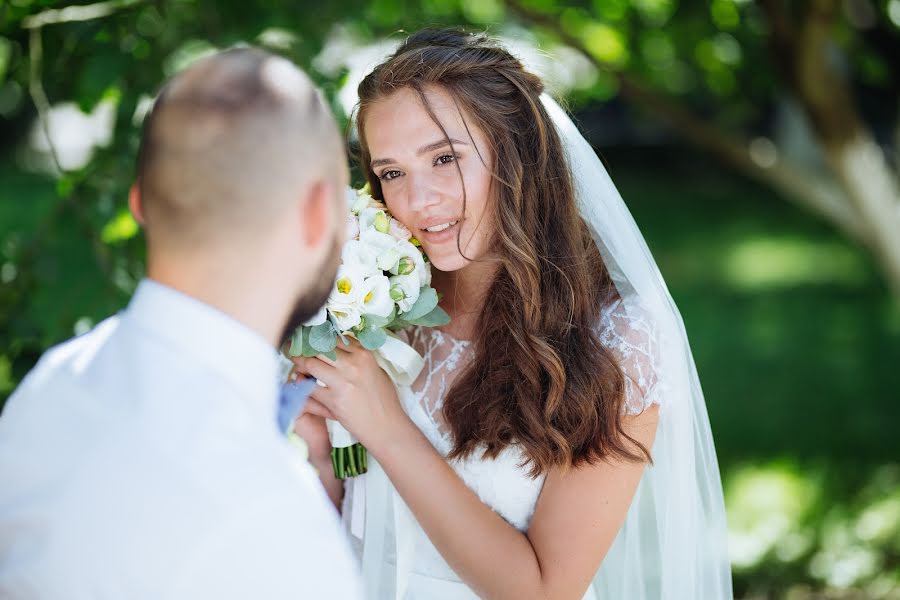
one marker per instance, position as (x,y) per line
(501,483)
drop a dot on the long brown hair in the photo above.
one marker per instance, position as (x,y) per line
(540,377)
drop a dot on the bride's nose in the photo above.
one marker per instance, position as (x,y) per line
(423,192)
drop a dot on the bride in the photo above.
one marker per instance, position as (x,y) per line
(556,444)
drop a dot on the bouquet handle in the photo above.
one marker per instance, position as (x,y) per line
(403,365)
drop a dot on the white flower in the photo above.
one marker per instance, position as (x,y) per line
(360,255)
(408,286)
(352,199)
(318,318)
(352,227)
(376,239)
(359,202)
(367,218)
(414,263)
(346,299)
(389,259)
(377,297)
(384,245)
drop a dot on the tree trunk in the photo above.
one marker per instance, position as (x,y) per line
(866,175)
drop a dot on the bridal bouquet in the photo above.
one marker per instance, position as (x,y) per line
(383,285)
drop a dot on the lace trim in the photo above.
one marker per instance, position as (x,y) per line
(629,331)
(626,328)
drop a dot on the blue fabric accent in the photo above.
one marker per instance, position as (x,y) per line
(293,397)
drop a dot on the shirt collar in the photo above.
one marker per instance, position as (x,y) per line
(233,350)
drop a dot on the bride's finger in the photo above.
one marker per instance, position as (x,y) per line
(327,374)
(315,407)
(296,374)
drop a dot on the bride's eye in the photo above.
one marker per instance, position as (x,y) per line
(388,175)
(444,159)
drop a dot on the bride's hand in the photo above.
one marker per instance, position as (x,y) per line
(358,393)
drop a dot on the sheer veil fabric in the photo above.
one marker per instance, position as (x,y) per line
(673,542)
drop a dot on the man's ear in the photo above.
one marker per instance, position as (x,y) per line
(318,214)
(134,203)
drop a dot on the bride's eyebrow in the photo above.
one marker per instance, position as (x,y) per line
(424,149)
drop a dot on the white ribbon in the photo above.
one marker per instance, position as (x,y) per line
(383,504)
(374,497)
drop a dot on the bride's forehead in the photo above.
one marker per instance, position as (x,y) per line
(402,114)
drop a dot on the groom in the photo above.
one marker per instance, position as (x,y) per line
(144,459)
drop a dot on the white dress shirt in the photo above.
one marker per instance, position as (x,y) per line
(143,460)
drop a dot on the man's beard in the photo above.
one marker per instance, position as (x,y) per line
(310,301)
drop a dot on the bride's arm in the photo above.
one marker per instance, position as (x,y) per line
(575,521)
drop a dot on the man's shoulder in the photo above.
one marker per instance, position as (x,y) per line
(63,363)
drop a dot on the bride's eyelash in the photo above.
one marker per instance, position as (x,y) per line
(386,175)
(439,159)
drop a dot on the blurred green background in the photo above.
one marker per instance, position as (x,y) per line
(755,142)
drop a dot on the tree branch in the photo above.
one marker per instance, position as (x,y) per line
(42,104)
(72,14)
(38,94)
(806,189)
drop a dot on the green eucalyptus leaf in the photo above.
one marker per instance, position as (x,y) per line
(323,338)
(372,339)
(308,350)
(435,318)
(425,304)
(296,348)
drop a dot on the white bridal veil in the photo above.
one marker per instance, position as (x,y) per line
(673,543)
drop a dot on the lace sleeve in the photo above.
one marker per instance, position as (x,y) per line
(631,334)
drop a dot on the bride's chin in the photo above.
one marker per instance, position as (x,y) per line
(447,264)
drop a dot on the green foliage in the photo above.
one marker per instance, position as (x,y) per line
(794,336)
(322,338)
(371,337)
(425,304)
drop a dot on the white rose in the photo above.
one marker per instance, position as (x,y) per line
(415,260)
(352,227)
(369,216)
(358,201)
(360,255)
(376,239)
(377,297)
(346,299)
(405,291)
(350,196)
(318,318)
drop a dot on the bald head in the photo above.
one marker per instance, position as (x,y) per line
(231,144)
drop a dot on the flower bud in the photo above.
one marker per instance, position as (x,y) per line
(382,223)
(407,266)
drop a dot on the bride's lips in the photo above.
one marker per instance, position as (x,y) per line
(438,237)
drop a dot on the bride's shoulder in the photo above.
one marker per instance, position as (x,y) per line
(629,330)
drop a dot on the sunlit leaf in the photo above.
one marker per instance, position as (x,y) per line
(121,227)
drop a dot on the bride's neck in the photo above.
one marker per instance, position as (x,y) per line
(463,294)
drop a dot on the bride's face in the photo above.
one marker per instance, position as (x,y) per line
(420,182)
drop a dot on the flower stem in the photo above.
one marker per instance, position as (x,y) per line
(350,461)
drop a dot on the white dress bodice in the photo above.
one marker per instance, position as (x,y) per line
(502,483)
